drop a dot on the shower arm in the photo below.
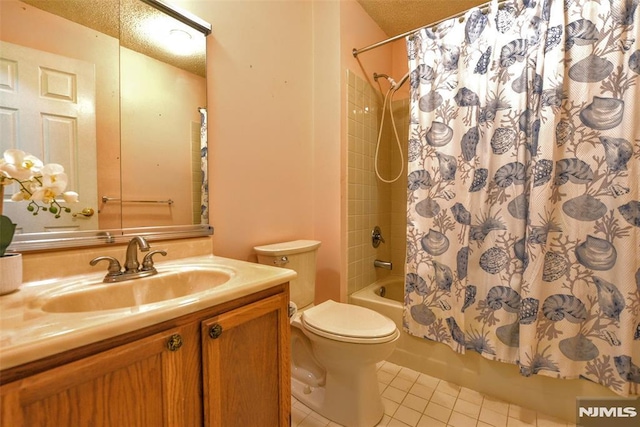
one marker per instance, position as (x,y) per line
(376,76)
(394,85)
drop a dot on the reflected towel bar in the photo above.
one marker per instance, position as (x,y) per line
(106,199)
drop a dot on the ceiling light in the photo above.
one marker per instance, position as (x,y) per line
(180,35)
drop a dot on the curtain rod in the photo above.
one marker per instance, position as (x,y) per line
(356,52)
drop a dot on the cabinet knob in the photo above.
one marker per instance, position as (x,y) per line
(215,331)
(175,342)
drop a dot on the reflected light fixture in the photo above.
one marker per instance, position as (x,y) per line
(180,35)
(178,41)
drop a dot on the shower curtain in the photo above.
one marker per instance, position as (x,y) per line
(523,232)
(204,161)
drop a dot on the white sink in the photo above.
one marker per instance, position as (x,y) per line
(167,285)
(59,314)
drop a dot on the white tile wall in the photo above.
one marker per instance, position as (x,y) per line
(371,202)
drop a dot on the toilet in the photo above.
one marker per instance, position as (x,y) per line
(334,346)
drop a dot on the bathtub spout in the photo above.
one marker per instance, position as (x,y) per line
(383,264)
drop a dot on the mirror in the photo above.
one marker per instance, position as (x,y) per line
(115,91)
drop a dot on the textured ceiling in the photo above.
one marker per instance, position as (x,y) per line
(103,16)
(100,15)
(399,16)
(393,16)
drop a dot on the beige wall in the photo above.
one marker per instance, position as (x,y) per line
(278,137)
(260,103)
(156,127)
(328,162)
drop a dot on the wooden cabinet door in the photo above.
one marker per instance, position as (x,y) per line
(245,361)
(142,383)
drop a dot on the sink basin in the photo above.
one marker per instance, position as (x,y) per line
(161,287)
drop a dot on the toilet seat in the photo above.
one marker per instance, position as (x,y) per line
(349,323)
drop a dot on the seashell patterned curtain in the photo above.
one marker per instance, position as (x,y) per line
(523,235)
(204,168)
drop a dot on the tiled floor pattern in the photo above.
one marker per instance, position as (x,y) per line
(413,399)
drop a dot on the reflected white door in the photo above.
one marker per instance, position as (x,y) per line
(47,108)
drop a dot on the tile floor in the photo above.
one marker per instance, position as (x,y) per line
(413,399)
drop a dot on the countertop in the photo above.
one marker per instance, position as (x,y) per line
(28,333)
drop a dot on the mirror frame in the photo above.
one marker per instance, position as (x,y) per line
(77,239)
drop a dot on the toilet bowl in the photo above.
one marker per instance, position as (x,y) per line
(346,349)
(334,346)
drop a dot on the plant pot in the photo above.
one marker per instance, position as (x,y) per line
(10,272)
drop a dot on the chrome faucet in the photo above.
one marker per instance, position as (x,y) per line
(383,264)
(132,268)
(131,263)
(376,237)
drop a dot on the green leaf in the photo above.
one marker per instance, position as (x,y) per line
(7,230)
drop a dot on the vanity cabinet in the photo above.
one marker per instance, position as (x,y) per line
(245,368)
(140,383)
(224,366)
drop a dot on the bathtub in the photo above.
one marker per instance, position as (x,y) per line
(556,397)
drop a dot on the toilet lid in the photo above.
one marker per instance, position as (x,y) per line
(348,322)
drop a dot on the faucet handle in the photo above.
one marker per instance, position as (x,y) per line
(114,266)
(147,261)
(376,237)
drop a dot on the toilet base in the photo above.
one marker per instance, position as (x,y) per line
(311,397)
(362,409)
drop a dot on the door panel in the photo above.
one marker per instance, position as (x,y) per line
(246,366)
(58,127)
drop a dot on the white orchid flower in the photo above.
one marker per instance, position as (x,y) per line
(26,190)
(20,196)
(37,183)
(19,165)
(54,182)
(70,196)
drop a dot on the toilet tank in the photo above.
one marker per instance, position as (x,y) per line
(297,255)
